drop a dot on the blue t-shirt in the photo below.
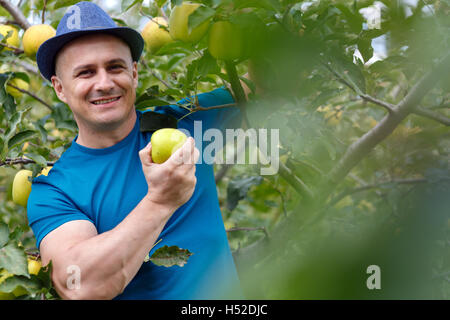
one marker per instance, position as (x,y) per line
(104,185)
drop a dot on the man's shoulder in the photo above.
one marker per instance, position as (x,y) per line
(183,107)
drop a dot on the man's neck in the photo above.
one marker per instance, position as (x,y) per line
(97,139)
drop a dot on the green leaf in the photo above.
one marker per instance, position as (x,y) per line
(262,4)
(160,3)
(23,76)
(14,259)
(238,188)
(153,103)
(349,72)
(175,2)
(4,234)
(6,101)
(40,127)
(170,256)
(355,21)
(207,65)
(31,285)
(14,122)
(17,233)
(365,48)
(175,47)
(37,158)
(20,137)
(63,3)
(120,22)
(127,4)
(200,15)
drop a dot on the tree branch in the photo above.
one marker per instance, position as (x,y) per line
(14,49)
(389,107)
(16,14)
(9,22)
(374,186)
(200,108)
(295,181)
(9,161)
(249,229)
(144,63)
(32,95)
(357,151)
(237,90)
(360,148)
(43,12)
(432,115)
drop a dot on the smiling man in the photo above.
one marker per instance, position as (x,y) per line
(86,69)
(105,204)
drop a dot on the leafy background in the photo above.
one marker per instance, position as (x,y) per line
(364,142)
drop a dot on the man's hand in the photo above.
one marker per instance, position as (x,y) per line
(171,183)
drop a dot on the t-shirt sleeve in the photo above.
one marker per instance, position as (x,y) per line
(220,118)
(48,208)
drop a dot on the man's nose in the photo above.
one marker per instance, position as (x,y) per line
(104,81)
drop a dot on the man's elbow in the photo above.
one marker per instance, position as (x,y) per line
(87,294)
(69,288)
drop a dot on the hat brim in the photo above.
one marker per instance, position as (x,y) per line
(47,52)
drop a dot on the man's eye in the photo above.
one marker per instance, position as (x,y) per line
(84,72)
(116,67)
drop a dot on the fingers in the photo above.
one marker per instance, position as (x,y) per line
(187,154)
(196,155)
(145,154)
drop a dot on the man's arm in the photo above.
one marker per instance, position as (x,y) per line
(109,261)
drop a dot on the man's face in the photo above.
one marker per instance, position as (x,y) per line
(96,77)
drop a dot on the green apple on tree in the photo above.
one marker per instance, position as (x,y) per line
(225,41)
(165,142)
(154,35)
(178,23)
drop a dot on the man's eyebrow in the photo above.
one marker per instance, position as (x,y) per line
(118,60)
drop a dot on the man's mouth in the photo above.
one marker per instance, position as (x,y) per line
(105,101)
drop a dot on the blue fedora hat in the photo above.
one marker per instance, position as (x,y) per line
(81,19)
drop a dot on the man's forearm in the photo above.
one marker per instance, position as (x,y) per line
(110,260)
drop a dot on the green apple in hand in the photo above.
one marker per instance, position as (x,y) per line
(165,142)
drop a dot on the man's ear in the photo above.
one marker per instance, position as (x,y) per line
(135,74)
(57,85)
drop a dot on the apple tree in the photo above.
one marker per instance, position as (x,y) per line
(357,92)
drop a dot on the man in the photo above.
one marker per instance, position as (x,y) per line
(105,204)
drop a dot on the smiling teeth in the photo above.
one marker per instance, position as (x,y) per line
(105,101)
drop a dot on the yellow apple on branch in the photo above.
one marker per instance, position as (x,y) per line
(34,266)
(13,39)
(19,83)
(21,187)
(155,36)
(179,27)
(34,36)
